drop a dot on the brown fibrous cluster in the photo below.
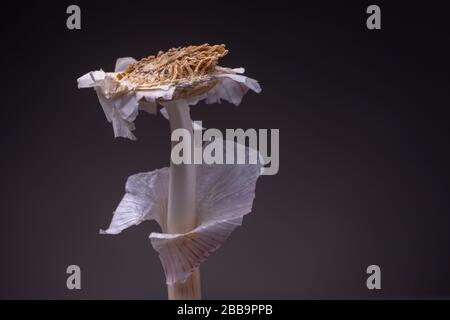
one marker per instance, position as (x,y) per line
(177,64)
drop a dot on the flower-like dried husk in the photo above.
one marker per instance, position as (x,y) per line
(123,93)
(224,194)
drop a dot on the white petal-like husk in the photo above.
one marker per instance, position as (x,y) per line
(122,109)
(224,194)
(231,87)
(91,79)
(145,199)
(181,254)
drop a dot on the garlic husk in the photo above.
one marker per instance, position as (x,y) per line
(224,195)
(121,101)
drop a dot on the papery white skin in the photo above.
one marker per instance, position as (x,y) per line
(224,194)
(123,109)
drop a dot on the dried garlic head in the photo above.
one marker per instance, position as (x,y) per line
(187,68)
(188,74)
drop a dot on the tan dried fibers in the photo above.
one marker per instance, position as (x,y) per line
(178,64)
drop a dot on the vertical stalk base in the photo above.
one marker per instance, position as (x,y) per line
(188,290)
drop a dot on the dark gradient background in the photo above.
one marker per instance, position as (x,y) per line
(364,160)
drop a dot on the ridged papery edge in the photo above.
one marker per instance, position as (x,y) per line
(181,254)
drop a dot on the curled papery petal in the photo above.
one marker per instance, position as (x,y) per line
(91,79)
(122,109)
(181,254)
(224,194)
(121,126)
(145,199)
(232,88)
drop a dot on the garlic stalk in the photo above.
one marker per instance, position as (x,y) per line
(181,202)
